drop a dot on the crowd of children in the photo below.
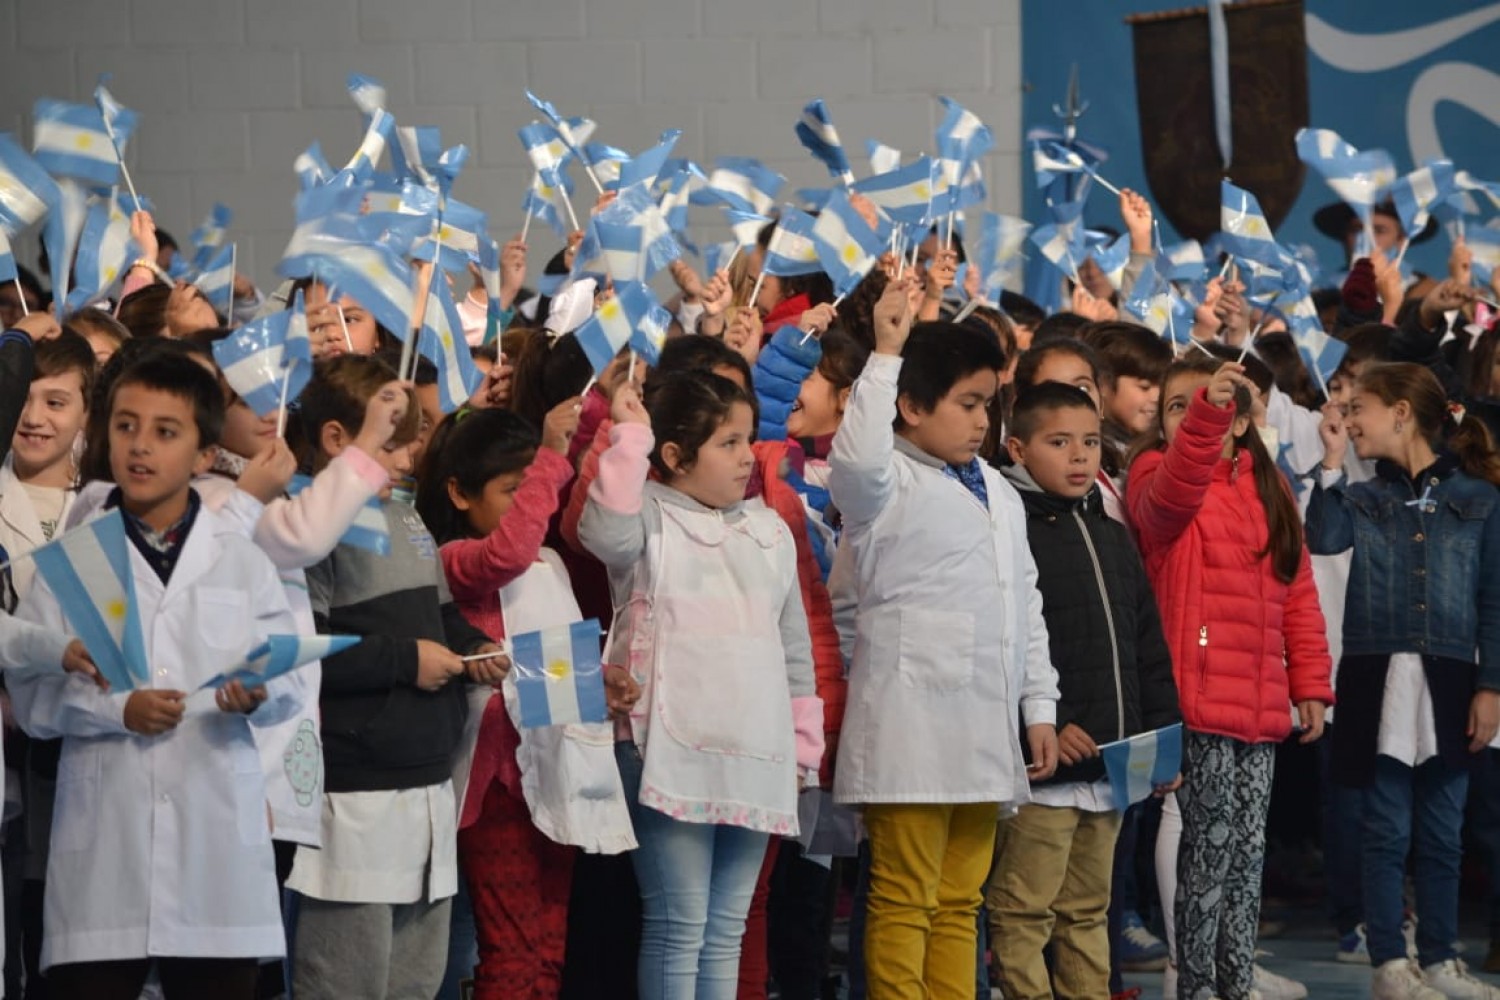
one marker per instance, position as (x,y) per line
(878,581)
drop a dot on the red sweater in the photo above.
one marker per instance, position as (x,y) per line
(1243,643)
(476,569)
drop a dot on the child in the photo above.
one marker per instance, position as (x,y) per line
(374,917)
(1223,548)
(1051,880)
(710,619)
(1132,360)
(950,645)
(161,850)
(488,492)
(1423,609)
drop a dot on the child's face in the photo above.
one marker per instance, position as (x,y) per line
(1132,403)
(1177,394)
(154,452)
(953,431)
(364,334)
(245,434)
(1063,452)
(818,409)
(104,347)
(718,475)
(397,461)
(51,421)
(1069,369)
(488,509)
(188,311)
(1372,426)
(432,415)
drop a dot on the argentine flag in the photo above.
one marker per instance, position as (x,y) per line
(1484,243)
(790,250)
(211,234)
(816,132)
(741,182)
(312,167)
(1062,243)
(281,654)
(27,194)
(216,280)
(1359,178)
(559,679)
(369,532)
(647,167)
(332,246)
(442,342)
(1138,764)
(70,140)
(260,355)
(367,93)
(1244,231)
(998,257)
(614,323)
(1415,193)
(88,571)
(104,247)
(846,245)
(1182,261)
(904,194)
(458,234)
(650,334)
(1112,258)
(883,158)
(7,259)
(1321,353)
(1466,181)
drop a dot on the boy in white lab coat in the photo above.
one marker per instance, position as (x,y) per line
(161,851)
(950,649)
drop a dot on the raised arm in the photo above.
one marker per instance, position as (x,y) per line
(611,526)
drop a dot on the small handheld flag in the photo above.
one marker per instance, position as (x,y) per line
(614,323)
(846,245)
(558,675)
(104,246)
(27,194)
(88,571)
(1359,178)
(442,342)
(816,132)
(280,654)
(260,360)
(790,250)
(71,140)
(905,194)
(1136,766)
(216,280)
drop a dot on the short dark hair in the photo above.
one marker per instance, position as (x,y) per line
(1031,360)
(686,409)
(178,375)
(1127,350)
(1036,401)
(470,447)
(1059,324)
(1021,310)
(132,352)
(339,392)
(700,354)
(937,355)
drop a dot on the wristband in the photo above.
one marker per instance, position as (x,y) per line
(153,267)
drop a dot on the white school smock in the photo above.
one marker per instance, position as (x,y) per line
(948,633)
(160,844)
(20,528)
(568,773)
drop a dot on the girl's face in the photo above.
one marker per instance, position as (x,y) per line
(1132,403)
(1372,425)
(245,434)
(104,347)
(488,509)
(770,295)
(1177,394)
(718,475)
(188,311)
(818,409)
(51,421)
(1070,369)
(324,327)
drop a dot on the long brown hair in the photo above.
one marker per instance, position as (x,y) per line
(1283,524)
(1468,438)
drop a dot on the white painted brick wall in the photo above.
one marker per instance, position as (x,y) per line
(231,90)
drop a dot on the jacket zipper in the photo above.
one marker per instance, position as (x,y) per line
(1109,620)
(1202,653)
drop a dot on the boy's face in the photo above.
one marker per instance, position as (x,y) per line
(154,452)
(954,429)
(51,421)
(1062,454)
(1132,402)
(431,406)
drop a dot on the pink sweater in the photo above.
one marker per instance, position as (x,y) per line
(476,569)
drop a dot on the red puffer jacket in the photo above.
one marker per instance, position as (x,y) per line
(1243,643)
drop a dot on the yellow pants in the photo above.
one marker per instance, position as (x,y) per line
(1051,881)
(927,869)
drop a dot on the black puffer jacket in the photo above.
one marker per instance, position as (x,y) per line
(1111,657)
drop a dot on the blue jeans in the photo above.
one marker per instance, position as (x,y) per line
(1341,842)
(696,881)
(1402,804)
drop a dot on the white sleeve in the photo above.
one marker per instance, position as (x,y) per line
(860,474)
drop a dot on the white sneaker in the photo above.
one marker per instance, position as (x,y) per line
(1452,979)
(1273,987)
(1400,979)
(1169,986)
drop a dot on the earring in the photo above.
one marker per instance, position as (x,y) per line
(1399,425)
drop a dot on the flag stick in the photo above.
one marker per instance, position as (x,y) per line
(286,383)
(21,294)
(526,227)
(234,250)
(967,310)
(948,239)
(807,335)
(572,216)
(1322,383)
(124,170)
(755,292)
(630,373)
(419,314)
(593,380)
(1104,183)
(588,168)
(732,255)
(343,325)
(504,651)
(1401,254)
(1225,269)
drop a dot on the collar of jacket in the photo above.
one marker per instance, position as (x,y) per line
(1039,500)
(1447,464)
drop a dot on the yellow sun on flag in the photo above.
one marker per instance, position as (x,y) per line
(447,339)
(1255,227)
(850,254)
(923,191)
(559,669)
(445,234)
(85,141)
(610,309)
(374,270)
(115,610)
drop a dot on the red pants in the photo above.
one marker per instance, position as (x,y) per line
(755,962)
(519,882)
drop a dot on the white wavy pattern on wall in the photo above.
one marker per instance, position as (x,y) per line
(1465,84)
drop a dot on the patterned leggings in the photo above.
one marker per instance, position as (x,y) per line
(1226,790)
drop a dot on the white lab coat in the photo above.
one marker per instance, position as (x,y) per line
(160,845)
(20,530)
(948,633)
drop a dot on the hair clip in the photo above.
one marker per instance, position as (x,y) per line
(1457,413)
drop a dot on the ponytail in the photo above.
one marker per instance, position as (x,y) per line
(1471,441)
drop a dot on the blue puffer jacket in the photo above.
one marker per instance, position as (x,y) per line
(1426,571)
(783,365)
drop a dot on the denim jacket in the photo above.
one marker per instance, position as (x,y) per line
(1425,576)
